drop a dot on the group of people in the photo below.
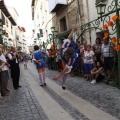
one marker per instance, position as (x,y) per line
(9,68)
(95,61)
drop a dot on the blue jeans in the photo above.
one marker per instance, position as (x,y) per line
(88,68)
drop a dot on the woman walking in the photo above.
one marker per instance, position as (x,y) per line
(38,58)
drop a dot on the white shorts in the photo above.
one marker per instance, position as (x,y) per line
(69,68)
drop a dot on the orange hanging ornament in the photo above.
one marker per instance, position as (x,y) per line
(117,48)
(105,27)
(110,23)
(106,34)
(119,40)
(114,18)
(114,40)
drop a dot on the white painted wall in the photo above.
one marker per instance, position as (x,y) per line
(42,20)
(92,12)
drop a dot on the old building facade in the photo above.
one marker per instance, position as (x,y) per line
(42,21)
(90,12)
(64,15)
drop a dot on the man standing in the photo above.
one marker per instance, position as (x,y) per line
(15,70)
(107,50)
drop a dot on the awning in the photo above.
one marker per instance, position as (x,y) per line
(6,12)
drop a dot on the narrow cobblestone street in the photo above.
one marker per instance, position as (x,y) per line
(81,100)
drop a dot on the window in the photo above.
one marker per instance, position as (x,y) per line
(63,25)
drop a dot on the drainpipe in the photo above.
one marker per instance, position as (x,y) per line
(88,15)
(80,20)
(80,4)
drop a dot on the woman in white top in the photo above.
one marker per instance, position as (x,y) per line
(4,75)
(88,61)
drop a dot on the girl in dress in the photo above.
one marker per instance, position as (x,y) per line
(68,60)
(38,58)
(68,56)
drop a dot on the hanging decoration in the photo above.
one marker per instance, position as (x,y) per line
(114,40)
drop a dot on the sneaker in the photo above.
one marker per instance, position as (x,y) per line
(93,82)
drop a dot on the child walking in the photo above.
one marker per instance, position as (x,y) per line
(38,58)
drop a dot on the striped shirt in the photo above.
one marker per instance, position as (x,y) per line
(107,50)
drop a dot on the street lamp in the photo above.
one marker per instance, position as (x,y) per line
(50,36)
(55,33)
(52,29)
(101,9)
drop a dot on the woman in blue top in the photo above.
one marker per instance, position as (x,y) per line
(38,58)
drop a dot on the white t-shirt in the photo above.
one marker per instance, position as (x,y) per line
(88,57)
(2,57)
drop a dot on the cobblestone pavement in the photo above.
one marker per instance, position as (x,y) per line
(21,104)
(103,96)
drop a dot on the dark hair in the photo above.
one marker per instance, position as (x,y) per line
(99,40)
(89,46)
(70,51)
(101,64)
(36,47)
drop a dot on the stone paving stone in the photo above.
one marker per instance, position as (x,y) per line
(21,104)
(103,96)
(66,106)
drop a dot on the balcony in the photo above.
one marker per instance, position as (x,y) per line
(56,5)
(6,12)
(2,17)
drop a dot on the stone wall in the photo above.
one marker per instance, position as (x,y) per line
(69,12)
